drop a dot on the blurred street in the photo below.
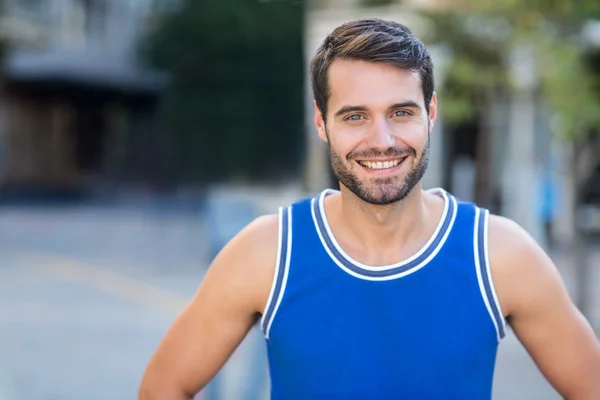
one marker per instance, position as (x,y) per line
(87,292)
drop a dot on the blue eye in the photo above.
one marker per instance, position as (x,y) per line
(401,113)
(354,117)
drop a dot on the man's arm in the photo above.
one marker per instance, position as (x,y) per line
(534,299)
(226,305)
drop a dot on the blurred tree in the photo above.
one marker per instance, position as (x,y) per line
(234,108)
(369,3)
(481,41)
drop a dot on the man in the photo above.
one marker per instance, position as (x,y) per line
(382,290)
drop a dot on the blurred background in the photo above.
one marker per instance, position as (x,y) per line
(138,136)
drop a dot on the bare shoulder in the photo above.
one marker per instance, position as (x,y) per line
(518,264)
(509,241)
(247,263)
(257,241)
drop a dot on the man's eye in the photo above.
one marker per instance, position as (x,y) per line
(354,117)
(400,113)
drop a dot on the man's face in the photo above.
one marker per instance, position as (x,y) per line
(377,129)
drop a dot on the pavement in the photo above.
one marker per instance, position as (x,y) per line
(87,292)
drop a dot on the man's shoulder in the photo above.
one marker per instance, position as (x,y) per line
(506,232)
(248,261)
(253,248)
(258,237)
(517,261)
(510,244)
(507,237)
(264,231)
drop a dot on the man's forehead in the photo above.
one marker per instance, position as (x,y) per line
(363,82)
(343,68)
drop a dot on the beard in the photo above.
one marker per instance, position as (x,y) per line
(382,191)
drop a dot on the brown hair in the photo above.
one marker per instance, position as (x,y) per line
(371,40)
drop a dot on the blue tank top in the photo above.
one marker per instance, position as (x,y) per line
(425,328)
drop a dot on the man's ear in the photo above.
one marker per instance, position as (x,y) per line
(319,123)
(433,110)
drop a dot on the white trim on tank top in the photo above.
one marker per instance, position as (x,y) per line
(277,297)
(487,267)
(359,265)
(489,279)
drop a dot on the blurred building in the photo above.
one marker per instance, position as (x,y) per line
(526,174)
(73,94)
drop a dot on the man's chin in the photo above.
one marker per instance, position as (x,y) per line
(382,197)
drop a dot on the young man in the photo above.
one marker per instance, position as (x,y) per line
(382,290)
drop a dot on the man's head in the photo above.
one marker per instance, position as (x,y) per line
(373,86)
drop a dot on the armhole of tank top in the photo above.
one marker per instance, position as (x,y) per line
(484,275)
(284,247)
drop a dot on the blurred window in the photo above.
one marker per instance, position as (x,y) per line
(95,15)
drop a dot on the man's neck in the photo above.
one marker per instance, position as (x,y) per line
(373,227)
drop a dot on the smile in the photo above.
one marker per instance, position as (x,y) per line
(381,164)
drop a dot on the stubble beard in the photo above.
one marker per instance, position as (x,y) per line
(382,191)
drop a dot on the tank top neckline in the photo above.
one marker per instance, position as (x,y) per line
(386,272)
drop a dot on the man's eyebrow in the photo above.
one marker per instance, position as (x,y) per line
(406,104)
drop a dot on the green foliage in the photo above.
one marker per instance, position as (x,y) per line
(477,64)
(481,36)
(569,87)
(521,11)
(235,106)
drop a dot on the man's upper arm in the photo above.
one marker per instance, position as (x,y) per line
(541,313)
(226,305)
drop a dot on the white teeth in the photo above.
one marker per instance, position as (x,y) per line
(380,165)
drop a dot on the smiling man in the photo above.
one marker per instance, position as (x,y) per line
(381,290)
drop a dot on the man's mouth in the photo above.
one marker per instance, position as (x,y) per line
(382,164)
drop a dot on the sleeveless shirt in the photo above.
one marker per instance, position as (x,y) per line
(427,327)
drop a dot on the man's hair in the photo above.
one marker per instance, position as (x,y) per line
(371,40)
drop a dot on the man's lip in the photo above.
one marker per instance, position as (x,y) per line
(380,159)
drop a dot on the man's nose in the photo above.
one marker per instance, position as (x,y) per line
(382,135)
